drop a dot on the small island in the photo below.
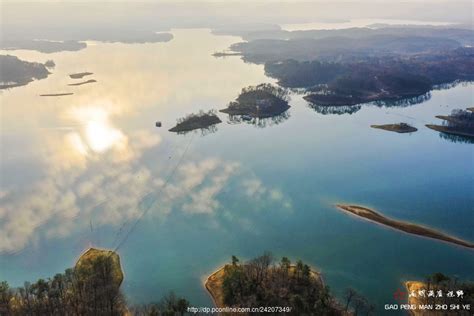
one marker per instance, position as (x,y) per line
(80,75)
(226,53)
(83,82)
(407,227)
(398,128)
(56,94)
(261,101)
(259,282)
(202,120)
(460,123)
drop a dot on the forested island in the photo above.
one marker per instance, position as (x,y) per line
(202,120)
(298,288)
(407,227)
(444,290)
(398,128)
(92,287)
(16,72)
(261,101)
(460,123)
(361,65)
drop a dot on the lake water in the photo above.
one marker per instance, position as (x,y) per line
(78,171)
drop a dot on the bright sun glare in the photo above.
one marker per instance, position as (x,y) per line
(98,133)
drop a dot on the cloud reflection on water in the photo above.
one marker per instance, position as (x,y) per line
(96,156)
(72,197)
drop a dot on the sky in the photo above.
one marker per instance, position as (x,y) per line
(65,19)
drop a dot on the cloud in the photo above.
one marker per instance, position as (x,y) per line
(255,189)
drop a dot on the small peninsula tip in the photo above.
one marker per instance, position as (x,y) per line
(406,227)
(459,122)
(398,128)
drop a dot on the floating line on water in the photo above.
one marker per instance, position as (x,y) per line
(134,225)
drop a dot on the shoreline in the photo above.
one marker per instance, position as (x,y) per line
(206,284)
(414,286)
(407,227)
(444,129)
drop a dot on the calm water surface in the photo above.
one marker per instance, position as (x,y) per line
(77,171)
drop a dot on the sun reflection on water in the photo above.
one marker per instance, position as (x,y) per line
(98,134)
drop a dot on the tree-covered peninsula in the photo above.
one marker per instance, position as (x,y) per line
(16,72)
(261,282)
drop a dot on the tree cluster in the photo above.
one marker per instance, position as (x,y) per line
(88,289)
(375,78)
(16,72)
(440,282)
(356,304)
(260,282)
(461,120)
(262,101)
